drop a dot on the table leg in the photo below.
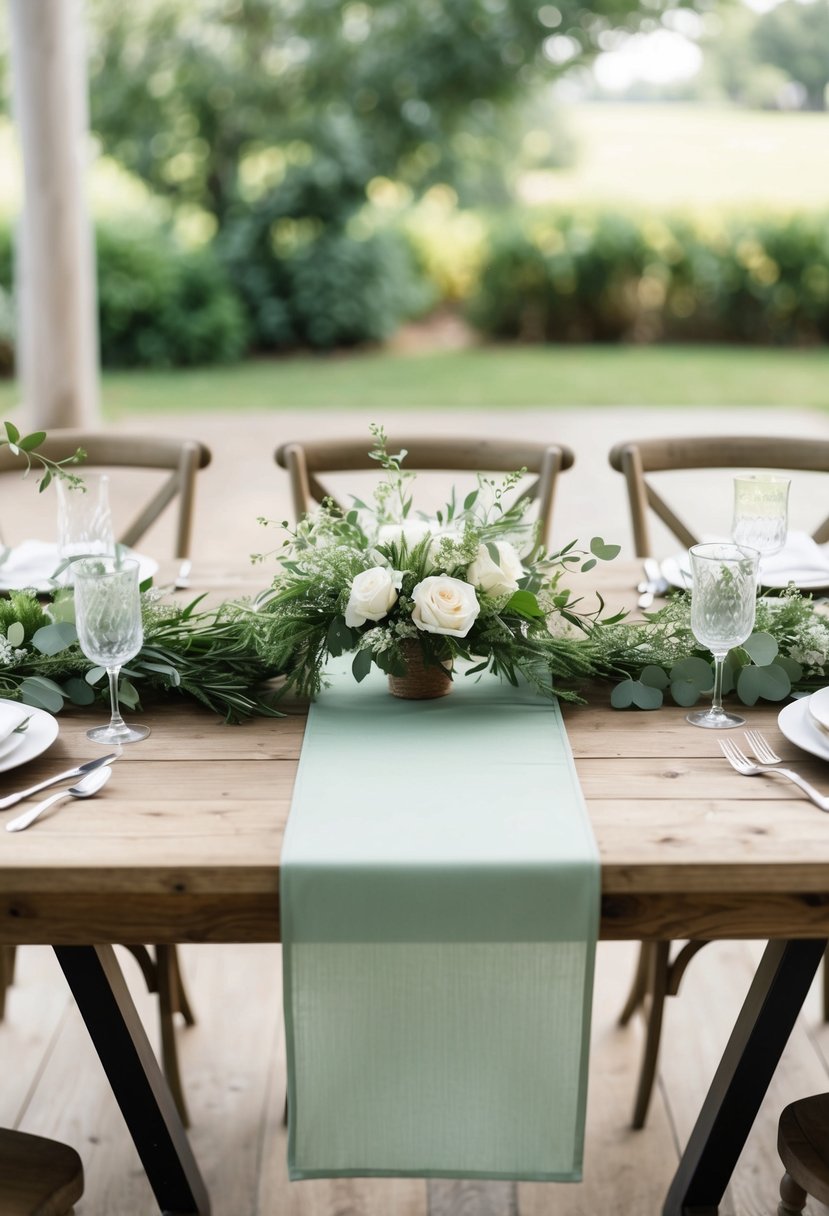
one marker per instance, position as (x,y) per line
(762,1030)
(137,1082)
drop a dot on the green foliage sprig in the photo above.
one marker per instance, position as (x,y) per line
(787,652)
(470,583)
(26,447)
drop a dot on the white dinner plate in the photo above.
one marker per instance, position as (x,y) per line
(819,708)
(32,563)
(39,734)
(797,724)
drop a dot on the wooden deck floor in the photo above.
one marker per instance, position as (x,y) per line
(233,1067)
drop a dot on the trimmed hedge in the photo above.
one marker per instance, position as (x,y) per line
(566,277)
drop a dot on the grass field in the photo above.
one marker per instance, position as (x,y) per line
(483,378)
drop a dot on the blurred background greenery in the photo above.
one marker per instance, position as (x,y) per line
(277,177)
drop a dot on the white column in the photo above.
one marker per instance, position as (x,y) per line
(57,335)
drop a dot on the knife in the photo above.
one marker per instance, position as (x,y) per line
(655,584)
(79,771)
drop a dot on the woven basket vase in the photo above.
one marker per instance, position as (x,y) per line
(422,682)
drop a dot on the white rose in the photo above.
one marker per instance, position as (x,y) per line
(496,578)
(445,605)
(373,594)
(412,531)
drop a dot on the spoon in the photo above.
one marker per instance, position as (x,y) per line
(84,789)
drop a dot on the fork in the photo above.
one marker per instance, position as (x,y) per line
(740,761)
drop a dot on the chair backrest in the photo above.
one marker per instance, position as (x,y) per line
(38,1177)
(305,460)
(182,458)
(636,458)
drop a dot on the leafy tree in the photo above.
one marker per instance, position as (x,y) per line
(220,103)
(794,37)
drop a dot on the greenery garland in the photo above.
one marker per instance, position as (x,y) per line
(788,652)
(209,656)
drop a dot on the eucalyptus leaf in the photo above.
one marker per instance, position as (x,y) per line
(95,675)
(42,693)
(792,669)
(588,565)
(15,634)
(621,696)
(695,670)
(128,694)
(78,691)
(654,677)
(769,682)
(685,693)
(762,648)
(52,639)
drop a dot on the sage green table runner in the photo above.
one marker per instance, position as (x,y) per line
(440,903)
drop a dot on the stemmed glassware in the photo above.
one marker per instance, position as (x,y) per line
(723,601)
(84,518)
(108,621)
(761,512)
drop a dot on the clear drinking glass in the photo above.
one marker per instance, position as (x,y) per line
(108,621)
(761,512)
(723,599)
(84,518)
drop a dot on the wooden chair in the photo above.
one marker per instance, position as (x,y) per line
(638,458)
(660,969)
(306,460)
(180,459)
(803,1145)
(38,1177)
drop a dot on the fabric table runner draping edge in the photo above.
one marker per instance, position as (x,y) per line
(498,694)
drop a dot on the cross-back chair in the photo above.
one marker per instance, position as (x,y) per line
(637,458)
(305,461)
(38,1177)
(180,459)
(660,969)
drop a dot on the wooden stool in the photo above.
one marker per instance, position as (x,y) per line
(37,1177)
(803,1145)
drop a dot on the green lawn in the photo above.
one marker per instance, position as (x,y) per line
(492,378)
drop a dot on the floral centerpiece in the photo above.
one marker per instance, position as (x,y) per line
(413,594)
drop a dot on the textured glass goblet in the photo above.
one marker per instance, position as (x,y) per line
(84,519)
(723,600)
(761,512)
(108,621)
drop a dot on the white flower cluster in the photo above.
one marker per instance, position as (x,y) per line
(442,604)
(10,655)
(811,648)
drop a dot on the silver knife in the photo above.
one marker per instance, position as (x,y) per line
(655,582)
(78,771)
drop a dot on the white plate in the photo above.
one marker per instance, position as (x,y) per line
(39,562)
(819,707)
(797,725)
(676,570)
(40,734)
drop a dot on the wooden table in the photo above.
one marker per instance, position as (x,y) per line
(184,846)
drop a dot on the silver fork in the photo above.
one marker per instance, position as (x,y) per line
(740,761)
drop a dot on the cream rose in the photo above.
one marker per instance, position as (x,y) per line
(496,578)
(410,531)
(445,605)
(373,594)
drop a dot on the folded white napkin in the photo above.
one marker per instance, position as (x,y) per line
(11,716)
(800,560)
(30,564)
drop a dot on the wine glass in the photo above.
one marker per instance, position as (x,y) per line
(761,512)
(108,621)
(84,519)
(723,599)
